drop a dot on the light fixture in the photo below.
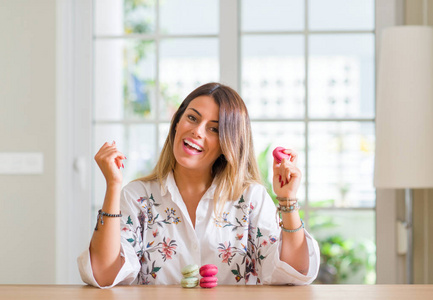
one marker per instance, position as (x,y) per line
(404,117)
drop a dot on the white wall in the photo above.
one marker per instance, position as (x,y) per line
(27,124)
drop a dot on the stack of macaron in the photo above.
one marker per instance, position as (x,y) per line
(208,273)
(189,279)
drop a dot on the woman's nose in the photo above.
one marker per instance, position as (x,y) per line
(198,131)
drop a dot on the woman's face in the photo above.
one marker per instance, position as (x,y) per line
(196,143)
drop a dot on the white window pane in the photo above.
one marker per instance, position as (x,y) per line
(189,17)
(118,17)
(347,245)
(125,73)
(341,14)
(185,64)
(341,76)
(163,133)
(341,161)
(277,15)
(269,135)
(273,75)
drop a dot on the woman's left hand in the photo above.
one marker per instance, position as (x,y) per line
(287,177)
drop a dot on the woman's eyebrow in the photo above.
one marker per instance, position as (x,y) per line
(196,111)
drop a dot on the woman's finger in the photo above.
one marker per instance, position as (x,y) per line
(107,156)
(285,172)
(290,171)
(119,162)
(293,155)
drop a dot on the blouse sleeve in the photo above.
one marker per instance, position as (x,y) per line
(265,241)
(131,231)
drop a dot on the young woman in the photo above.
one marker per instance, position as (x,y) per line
(202,204)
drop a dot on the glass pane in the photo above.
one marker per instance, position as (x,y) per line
(341,76)
(185,64)
(341,160)
(136,142)
(124,79)
(189,17)
(163,133)
(118,17)
(273,75)
(267,136)
(281,15)
(347,245)
(341,14)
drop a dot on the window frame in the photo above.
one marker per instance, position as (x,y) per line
(74,128)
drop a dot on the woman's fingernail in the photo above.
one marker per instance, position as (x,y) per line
(279,178)
(123,166)
(287,181)
(282,183)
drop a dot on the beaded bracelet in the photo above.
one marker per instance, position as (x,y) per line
(293,230)
(285,209)
(286,199)
(101,214)
(289,209)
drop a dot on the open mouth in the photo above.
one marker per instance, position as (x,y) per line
(192,146)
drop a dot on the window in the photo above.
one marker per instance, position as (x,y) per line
(306,71)
(308,78)
(148,55)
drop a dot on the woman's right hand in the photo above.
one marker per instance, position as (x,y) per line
(109,160)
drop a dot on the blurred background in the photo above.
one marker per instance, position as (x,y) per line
(75,74)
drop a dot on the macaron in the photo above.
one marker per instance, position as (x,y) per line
(279,154)
(208,270)
(189,282)
(190,271)
(208,282)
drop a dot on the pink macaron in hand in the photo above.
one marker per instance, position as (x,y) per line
(208,282)
(279,154)
(208,270)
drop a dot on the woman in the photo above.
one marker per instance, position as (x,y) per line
(202,204)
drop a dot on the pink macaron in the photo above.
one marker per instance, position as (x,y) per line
(208,282)
(279,154)
(208,270)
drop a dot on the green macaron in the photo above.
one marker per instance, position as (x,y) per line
(189,282)
(190,271)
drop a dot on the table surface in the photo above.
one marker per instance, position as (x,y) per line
(334,292)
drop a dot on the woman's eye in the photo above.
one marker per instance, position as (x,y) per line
(214,129)
(191,117)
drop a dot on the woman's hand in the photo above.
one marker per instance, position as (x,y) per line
(287,177)
(109,160)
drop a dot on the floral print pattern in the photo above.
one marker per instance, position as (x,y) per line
(246,210)
(252,253)
(226,252)
(148,219)
(158,238)
(147,205)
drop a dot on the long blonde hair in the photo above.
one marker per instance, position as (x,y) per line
(237,167)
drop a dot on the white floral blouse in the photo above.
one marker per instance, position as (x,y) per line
(158,239)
